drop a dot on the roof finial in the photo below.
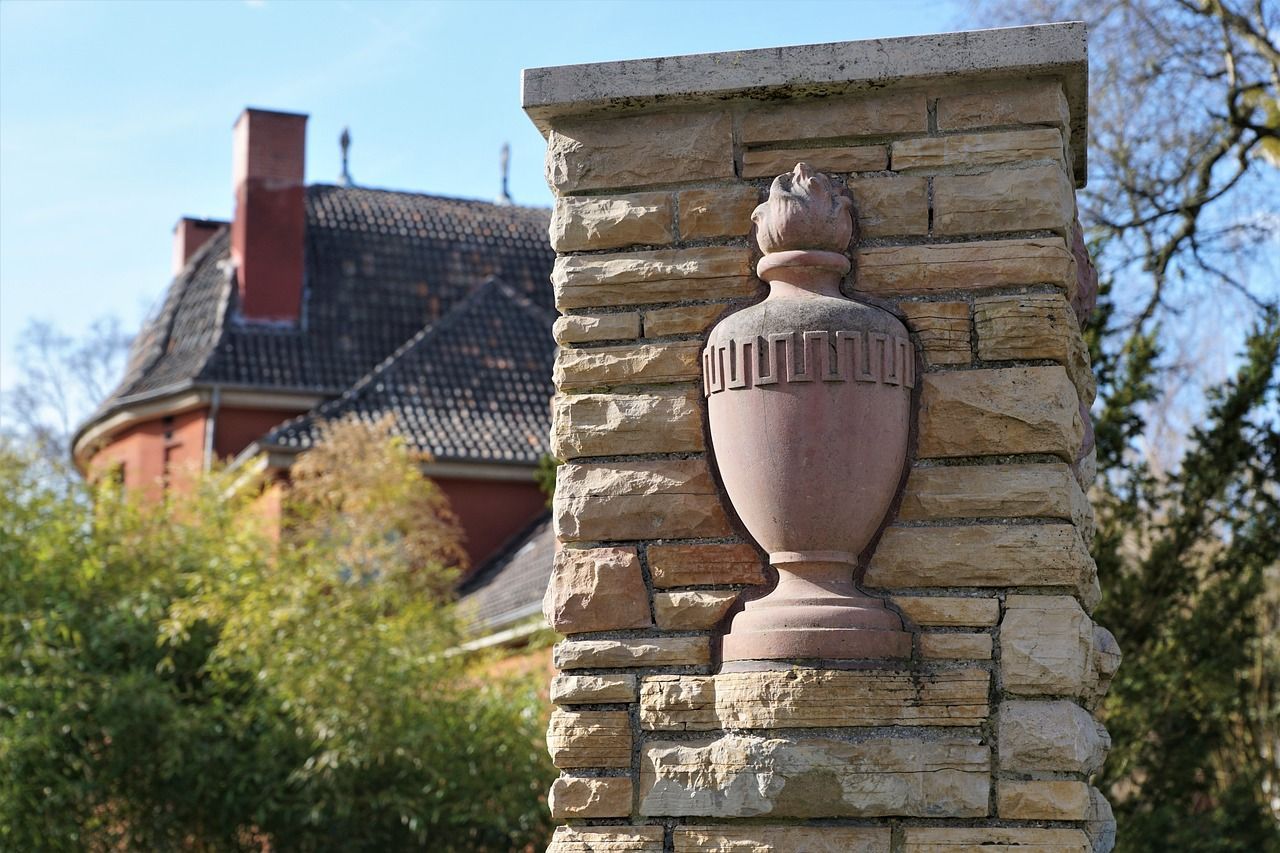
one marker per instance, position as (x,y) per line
(505,159)
(344,141)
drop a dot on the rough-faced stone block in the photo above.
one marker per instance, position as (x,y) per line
(1056,799)
(680,319)
(658,421)
(1046,642)
(658,498)
(891,206)
(740,776)
(1100,825)
(1031,199)
(955,646)
(713,212)
(1005,103)
(588,328)
(584,689)
(993,839)
(767,839)
(1001,411)
(596,589)
(963,150)
(774,162)
(589,739)
(1034,326)
(636,364)
(828,118)
(945,611)
(663,275)
(945,267)
(639,150)
(943,328)
(655,651)
(1054,736)
(692,610)
(607,839)
(699,565)
(588,797)
(611,222)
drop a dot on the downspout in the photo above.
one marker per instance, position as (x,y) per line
(211,426)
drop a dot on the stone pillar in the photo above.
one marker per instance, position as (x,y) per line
(962,153)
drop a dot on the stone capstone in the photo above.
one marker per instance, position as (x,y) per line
(596,589)
(691,610)
(655,651)
(589,739)
(586,797)
(637,500)
(657,421)
(584,689)
(1056,736)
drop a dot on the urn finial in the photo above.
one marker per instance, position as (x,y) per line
(805,211)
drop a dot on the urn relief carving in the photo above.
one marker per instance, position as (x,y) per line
(809,402)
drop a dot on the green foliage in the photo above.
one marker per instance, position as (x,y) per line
(171,679)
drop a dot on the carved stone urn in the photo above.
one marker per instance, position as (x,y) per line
(809,398)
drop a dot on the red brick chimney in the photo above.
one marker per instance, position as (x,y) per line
(269,151)
(188,236)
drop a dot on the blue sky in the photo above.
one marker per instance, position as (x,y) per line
(115,118)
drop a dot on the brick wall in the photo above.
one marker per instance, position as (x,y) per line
(964,191)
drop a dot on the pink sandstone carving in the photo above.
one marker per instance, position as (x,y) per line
(809,399)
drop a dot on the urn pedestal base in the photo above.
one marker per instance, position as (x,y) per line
(816,612)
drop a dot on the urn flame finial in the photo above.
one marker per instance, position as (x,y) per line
(805,211)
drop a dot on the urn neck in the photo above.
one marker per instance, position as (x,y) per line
(803,273)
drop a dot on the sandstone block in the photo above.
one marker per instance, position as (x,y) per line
(620,424)
(589,739)
(708,213)
(681,319)
(942,267)
(663,275)
(1000,411)
(612,222)
(596,589)
(1046,645)
(697,565)
(943,328)
(813,698)
(783,839)
(891,206)
(1102,664)
(638,364)
(977,149)
(1100,825)
(774,162)
(993,839)
(738,776)
(955,646)
(582,689)
(983,555)
(653,499)
(949,612)
(588,328)
(1057,799)
(656,651)
(900,112)
(1056,736)
(584,796)
(634,151)
(1005,103)
(692,610)
(1030,199)
(607,839)
(1033,326)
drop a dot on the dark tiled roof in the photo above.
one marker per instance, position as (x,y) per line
(509,588)
(475,386)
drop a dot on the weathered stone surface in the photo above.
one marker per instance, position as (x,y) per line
(996,491)
(955,646)
(681,319)
(1102,665)
(1055,736)
(993,839)
(656,651)
(619,424)
(1046,645)
(663,275)
(633,151)
(587,328)
(711,212)
(697,565)
(1057,799)
(607,839)
(1034,198)
(750,776)
(900,112)
(692,610)
(943,328)
(1034,325)
(982,555)
(638,364)
(583,797)
(941,267)
(943,611)
(589,739)
(596,589)
(995,412)
(891,206)
(1100,825)
(672,498)
(582,689)
(977,149)
(612,222)
(774,162)
(1004,103)
(782,839)
(813,698)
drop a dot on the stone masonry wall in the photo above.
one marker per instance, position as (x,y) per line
(984,739)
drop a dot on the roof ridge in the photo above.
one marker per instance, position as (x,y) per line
(427,195)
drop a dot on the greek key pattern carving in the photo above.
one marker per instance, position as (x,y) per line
(808,357)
